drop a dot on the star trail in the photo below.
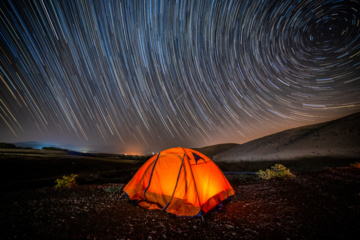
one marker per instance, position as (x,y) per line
(142,76)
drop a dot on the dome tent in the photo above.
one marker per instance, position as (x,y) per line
(180,181)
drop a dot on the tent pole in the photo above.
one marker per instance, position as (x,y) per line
(197,192)
(177,180)
(152,170)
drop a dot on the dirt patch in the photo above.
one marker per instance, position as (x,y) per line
(314,205)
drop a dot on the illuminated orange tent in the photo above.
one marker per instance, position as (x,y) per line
(180,181)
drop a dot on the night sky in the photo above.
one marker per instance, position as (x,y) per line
(139,76)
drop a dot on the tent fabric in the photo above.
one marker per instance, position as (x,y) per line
(180,181)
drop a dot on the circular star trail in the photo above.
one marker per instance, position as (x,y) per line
(148,75)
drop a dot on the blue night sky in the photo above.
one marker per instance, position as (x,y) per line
(138,76)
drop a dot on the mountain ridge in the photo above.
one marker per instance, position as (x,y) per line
(336,138)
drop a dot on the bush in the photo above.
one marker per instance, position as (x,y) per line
(276,171)
(66,181)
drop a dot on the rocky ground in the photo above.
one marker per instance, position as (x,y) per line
(314,205)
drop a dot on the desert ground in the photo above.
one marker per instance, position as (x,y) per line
(321,202)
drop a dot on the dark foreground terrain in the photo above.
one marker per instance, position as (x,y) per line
(322,202)
(315,205)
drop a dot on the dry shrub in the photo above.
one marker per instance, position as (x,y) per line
(66,181)
(276,171)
